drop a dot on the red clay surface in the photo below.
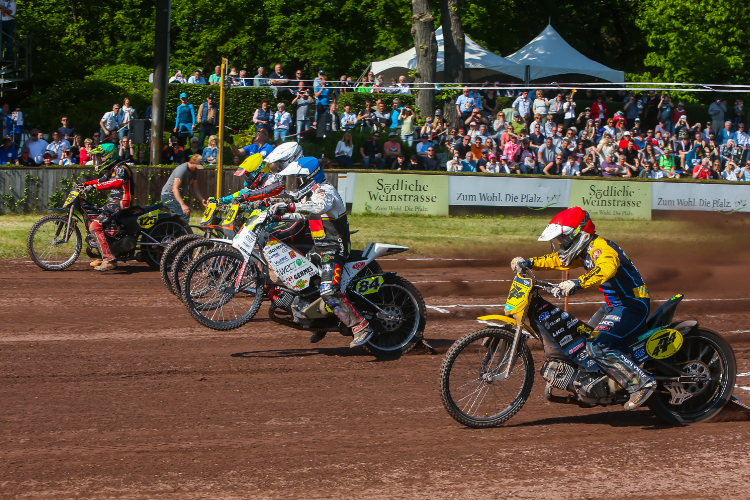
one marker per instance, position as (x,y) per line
(111,390)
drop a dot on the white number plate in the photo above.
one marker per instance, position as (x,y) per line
(245,241)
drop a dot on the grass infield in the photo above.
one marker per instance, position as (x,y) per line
(445,236)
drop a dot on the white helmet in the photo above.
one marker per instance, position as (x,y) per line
(283,155)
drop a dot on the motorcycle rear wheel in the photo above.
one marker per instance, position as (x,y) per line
(399,297)
(168,257)
(165,233)
(209,289)
(182,262)
(46,246)
(701,348)
(468,396)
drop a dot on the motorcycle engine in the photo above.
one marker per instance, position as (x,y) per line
(593,385)
(559,374)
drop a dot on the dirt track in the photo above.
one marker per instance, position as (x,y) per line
(101,400)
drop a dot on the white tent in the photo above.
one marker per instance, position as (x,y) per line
(479,63)
(548,54)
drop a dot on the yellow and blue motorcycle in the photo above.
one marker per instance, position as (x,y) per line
(487,376)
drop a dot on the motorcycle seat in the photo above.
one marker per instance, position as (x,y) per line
(664,314)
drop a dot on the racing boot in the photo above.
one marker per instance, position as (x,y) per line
(106,265)
(96,263)
(362,333)
(630,376)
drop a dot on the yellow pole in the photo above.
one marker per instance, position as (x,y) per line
(222,96)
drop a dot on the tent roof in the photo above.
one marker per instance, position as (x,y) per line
(548,54)
(476,58)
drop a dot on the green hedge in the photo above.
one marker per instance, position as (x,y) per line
(357,100)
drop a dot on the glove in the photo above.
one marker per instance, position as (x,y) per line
(281,208)
(518,263)
(212,200)
(566,288)
(236,201)
(89,188)
(228,138)
(260,204)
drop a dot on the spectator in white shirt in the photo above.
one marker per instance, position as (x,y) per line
(403,87)
(348,119)
(110,121)
(281,122)
(730,172)
(178,78)
(37,146)
(344,151)
(523,104)
(57,147)
(571,168)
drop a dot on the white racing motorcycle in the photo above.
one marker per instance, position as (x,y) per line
(224,288)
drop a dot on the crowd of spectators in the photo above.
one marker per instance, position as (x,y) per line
(547,134)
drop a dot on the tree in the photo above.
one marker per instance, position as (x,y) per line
(454,47)
(702,42)
(423,32)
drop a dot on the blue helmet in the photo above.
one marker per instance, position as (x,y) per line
(302,175)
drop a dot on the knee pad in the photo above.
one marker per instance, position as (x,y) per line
(95,225)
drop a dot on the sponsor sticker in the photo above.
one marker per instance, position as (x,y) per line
(544,315)
(571,322)
(558,332)
(566,340)
(584,329)
(603,328)
(359,265)
(551,323)
(640,354)
(613,317)
(589,363)
(564,315)
(555,310)
(292,254)
(608,323)
(595,254)
(582,355)
(575,348)
(542,308)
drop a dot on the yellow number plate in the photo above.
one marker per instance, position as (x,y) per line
(369,285)
(208,212)
(518,296)
(664,343)
(231,214)
(147,221)
(71,198)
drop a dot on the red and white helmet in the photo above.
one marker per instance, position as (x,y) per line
(573,228)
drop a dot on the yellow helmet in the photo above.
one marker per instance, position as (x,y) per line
(252,168)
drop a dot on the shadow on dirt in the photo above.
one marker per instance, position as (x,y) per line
(344,352)
(644,419)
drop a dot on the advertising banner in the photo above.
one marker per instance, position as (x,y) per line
(400,193)
(509,191)
(705,197)
(612,199)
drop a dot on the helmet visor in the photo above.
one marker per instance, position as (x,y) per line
(565,241)
(293,184)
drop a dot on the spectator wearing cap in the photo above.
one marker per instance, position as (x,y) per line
(197,78)
(8,153)
(323,97)
(583,118)
(465,105)
(492,166)
(208,113)
(185,121)
(391,149)
(423,145)
(110,120)
(179,183)
(260,79)
(25,160)
(523,105)
(403,86)
(316,81)
(215,79)
(483,160)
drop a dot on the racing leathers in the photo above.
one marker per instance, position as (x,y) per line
(119,184)
(325,212)
(625,312)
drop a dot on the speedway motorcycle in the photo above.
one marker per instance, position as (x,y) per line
(487,376)
(55,242)
(257,264)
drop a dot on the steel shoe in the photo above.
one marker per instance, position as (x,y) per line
(640,396)
(107,265)
(362,333)
(317,337)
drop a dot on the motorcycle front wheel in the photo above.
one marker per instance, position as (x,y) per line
(469,393)
(221,290)
(47,246)
(168,257)
(704,354)
(182,262)
(164,233)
